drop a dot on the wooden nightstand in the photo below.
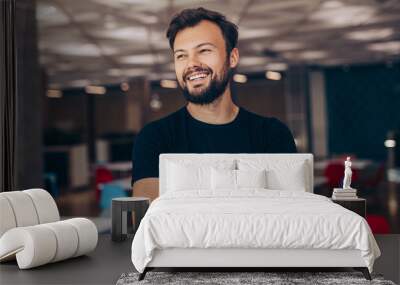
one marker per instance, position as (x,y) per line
(358,205)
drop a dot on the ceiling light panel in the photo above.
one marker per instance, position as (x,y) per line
(77,49)
(252,60)
(125,33)
(145,59)
(392,47)
(87,16)
(79,83)
(135,5)
(50,15)
(277,6)
(344,16)
(286,45)
(370,34)
(310,55)
(246,34)
(277,66)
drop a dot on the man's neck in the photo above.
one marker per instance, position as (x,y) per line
(221,111)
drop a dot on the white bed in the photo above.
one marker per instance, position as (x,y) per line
(281,224)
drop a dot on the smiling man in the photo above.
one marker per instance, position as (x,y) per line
(205,54)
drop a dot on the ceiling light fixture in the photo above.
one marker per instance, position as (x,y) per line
(155,102)
(312,55)
(240,78)
(273,75)
(76,49)
(252,60)
(390,143)
(123,33)
(333,4)
(96,90)
(166,83)
(125,86)
(114,72)
(285,46)
(135,72)
(344,16)
(79,83)
(277,66)
(389,47)
(246,34)
(54,93)
(371,34)
(143,59)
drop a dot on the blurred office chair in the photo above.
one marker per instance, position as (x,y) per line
(374,180)
(334,173)
(50,182)
(102,175)
(108,192)
(378,224)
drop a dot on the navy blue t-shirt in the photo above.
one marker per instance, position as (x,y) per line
(181,133)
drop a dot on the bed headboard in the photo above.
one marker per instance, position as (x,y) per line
(307,158)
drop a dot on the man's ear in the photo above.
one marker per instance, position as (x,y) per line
(234,58)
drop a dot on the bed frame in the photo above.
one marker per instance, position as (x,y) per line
(243,259)
(246,258)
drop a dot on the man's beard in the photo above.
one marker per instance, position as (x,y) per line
(214,90)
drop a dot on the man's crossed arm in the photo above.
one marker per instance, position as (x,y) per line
(146,187)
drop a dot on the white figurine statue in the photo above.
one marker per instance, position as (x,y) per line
(347,174)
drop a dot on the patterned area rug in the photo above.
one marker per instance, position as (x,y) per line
(230,278)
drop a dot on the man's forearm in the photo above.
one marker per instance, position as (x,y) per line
(149,193)
(147,187)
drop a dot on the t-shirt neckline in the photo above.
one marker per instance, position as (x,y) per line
(204,124)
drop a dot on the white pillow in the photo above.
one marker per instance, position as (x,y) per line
(236,179)
(281,175)
(185,175)
(223,179)
(251,178)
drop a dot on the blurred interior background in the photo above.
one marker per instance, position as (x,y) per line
(92,73)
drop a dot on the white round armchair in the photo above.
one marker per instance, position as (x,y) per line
(31,230)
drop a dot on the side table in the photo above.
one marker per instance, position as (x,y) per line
(357,205)
(121,209)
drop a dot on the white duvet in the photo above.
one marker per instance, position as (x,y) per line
(250,218)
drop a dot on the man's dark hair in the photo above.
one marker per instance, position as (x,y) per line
(191,17)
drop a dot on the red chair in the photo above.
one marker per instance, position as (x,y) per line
(103,175)
(334,173)
(379,176)
(378,224)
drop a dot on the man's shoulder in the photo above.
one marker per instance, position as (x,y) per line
(164,122)
(253,115)
(264,121)
(173,117)
(256,118)
(278,134)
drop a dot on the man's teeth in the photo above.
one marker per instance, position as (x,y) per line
(197,76)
